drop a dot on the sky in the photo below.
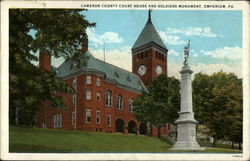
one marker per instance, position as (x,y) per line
(216,37)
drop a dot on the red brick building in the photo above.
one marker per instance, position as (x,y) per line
(104,92)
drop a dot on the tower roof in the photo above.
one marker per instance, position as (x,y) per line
(148,35)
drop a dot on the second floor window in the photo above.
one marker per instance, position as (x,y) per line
(73,118)
(109,98)
(98,82)
(73,98)
(88,79)
(131,107)
(74,83)
(88,95)
(119,103)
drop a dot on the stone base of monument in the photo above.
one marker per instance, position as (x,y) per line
(186,133)
(187,146)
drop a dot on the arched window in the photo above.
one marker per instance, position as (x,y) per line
(119,102)
(108,98)
(73,98)
(74,83)
(131,107)
(98,116)
(88,115)
(98,96)
(109,120)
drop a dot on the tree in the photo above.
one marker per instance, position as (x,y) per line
(218,104)
(160,105)
(57,32)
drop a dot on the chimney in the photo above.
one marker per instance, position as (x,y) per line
(45,61)
(85,45)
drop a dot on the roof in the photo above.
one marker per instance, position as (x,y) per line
(148,35)
(121,77)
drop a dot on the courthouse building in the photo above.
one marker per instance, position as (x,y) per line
(104,92)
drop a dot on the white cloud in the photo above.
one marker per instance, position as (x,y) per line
(232,53)
(211,68)
(195,55)
(171,39)
(174,68)
(119,57)
(108,37)
(192,31)
(173,52)
(111,37)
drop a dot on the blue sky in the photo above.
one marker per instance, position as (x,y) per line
(216,37)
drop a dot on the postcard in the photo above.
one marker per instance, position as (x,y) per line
(125,80)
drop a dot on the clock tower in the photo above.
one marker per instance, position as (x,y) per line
(149,54)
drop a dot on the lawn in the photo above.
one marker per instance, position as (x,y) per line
(23,139)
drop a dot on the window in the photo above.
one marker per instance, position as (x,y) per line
(146,54)
(57,120)
(109,98)
(98,116)
(73,98)
(116,75)
(142,55)
(88,79)
(74,83)
(128,79)
(162,57)
(73,118)
(131,107)
(98,96)
(109,120)
(119,102)
(157,54)
(137,57)
(44,125)
(54,121)
(88,116)
(98,82)
(88,95)
(60,120)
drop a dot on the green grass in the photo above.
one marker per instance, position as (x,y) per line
(218,145)
(23,139)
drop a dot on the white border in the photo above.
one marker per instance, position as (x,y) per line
(5,5)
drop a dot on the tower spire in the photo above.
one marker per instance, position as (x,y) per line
(149,14)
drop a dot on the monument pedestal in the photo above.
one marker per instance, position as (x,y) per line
(186,124)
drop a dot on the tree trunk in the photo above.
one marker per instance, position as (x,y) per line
(148,129)
(232,144)
(158,132)
(16,114)
(214,142)
(239,146)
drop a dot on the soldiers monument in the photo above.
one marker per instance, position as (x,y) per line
(186,124)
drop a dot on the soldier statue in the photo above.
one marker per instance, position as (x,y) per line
(186,54)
